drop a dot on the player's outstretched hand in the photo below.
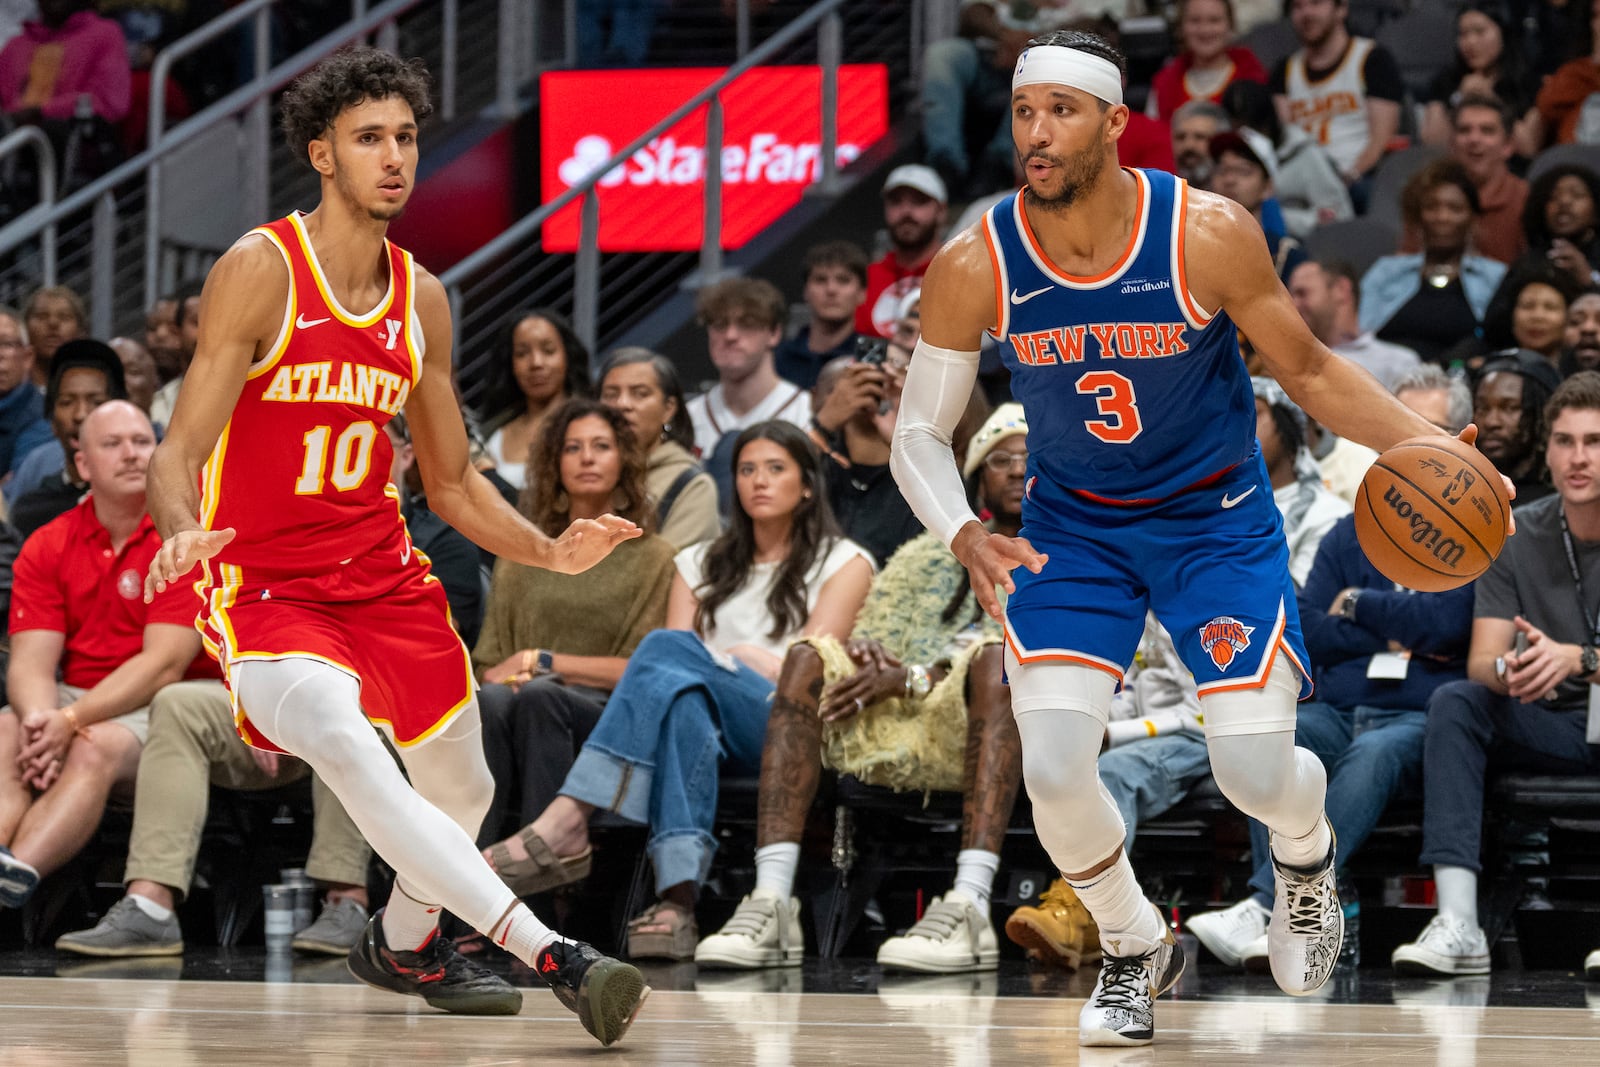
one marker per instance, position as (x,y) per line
(990,558)
(588,541)
(1469,436)
(179,554)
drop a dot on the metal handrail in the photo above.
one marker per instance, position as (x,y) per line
(825,13)
(40,141)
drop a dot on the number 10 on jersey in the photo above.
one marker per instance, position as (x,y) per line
(352,458)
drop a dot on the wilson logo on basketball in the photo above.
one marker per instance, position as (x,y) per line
(1447,550)
(1223,638)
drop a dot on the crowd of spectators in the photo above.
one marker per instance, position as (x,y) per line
(786,614)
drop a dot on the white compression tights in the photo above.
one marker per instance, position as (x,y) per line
(1061,711)
(424,829)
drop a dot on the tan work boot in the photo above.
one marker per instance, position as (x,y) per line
(1059,931)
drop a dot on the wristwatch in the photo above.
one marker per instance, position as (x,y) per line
(1588,662)
(544,662)
(918,682)
(1347,606)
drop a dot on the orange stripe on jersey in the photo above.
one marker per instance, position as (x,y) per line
(337,309)
(1058,657)
(999,280)
(1122,260)
(1181,282)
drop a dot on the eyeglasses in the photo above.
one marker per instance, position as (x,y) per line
(1004,462)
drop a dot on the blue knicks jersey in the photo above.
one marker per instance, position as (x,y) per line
(1133,391)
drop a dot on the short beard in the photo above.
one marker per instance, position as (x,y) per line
(1080,175)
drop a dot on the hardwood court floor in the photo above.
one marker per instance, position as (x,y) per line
(156,1022)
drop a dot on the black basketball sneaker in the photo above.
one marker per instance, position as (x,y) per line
(606,993)
(436,972)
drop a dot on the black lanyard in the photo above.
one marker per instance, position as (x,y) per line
(1577,576)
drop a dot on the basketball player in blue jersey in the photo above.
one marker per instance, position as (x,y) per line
(1119,292)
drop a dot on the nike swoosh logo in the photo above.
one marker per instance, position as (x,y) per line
(301,322)
(1025,297)
(1231,501)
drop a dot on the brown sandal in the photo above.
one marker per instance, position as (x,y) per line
(676,939)
(542,870)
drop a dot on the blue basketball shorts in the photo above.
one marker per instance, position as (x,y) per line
(1211,562)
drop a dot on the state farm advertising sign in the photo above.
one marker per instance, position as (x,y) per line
(654,201)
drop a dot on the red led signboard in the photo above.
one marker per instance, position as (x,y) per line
(654,201)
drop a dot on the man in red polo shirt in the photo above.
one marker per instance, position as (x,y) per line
(915,212)
(77,605)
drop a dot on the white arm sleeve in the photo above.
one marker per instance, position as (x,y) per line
(938,386)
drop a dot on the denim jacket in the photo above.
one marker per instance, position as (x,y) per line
(1393,280)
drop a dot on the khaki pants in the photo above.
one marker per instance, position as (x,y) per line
(192,744)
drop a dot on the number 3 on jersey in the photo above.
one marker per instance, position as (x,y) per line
(352,456)
(1114,398)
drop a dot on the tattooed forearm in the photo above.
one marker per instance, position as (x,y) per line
(992,770)
(791,761)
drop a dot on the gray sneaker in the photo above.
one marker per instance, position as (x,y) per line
(336,930)
(126,931)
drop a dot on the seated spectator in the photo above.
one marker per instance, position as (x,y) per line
(543,365)
(452,558)
(1208,62)
(1327,294)
(859,400)
(1529,310)
(1145,142)
(643,388)
(1243,168)
(53,316)
(77,606)
(1429,301)
(1307,192)
(1507,403)
(1481,141)
(913,701)
(1488,64)
(1560,221)
(68,54)
(1344,91)
(744,320)
(192,746)
(1582,339)
(1194,126)
(914,214)
(1379,654)
(1568,109)
(161,338)
(23,426)
(186,321)
(1530,668)
(1309,510)
(836,286)
(547,670)
(85,375)
(1343,463)
(698,694)
(138,373)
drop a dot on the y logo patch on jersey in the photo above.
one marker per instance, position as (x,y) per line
(393,326)
(1223,638)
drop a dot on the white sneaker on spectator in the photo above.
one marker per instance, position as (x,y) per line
(1256,957)
(763,932)
(952,936)
(1307,926)
(1591,966)
(1448,945)
(1229,931)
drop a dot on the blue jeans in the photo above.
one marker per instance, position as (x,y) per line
(1372,755)
(1147,778)
(956,78)
(653,757)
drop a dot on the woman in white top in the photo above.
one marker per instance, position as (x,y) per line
(700,691)
(543,364)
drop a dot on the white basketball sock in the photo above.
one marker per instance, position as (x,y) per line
(1457,889)
(522,934)
(1129,925)
(775,868)
(407,921)
(975,871)
(156,911)
(1306,851)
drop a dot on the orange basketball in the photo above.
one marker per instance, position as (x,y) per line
(1431,513)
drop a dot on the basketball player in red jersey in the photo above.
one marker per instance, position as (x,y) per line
(314,331)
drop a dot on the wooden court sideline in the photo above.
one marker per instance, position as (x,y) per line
(79,1022)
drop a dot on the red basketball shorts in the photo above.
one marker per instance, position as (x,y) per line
(381,618)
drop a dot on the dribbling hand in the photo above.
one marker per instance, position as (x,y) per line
(990,558)
(1469,436)
(179,554)
(587,542)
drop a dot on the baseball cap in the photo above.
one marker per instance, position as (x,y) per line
(1250,144)
(1005,421)
(924,180)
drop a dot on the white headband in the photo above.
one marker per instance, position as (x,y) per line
(1054,65)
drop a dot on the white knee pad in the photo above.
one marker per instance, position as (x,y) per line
(307,708)
(1250,737)
(449,771)
(1265,710)
(1061,711)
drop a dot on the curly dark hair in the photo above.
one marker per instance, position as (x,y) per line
(1534,221)
(545,502)
(812,534)
(349,77)
(1440,172)
(1503,305)
(503,401)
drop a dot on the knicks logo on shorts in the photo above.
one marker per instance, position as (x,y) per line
(1223,638)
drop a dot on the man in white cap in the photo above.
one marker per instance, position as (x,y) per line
(1120,295)
(915,207)
(1243,169)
